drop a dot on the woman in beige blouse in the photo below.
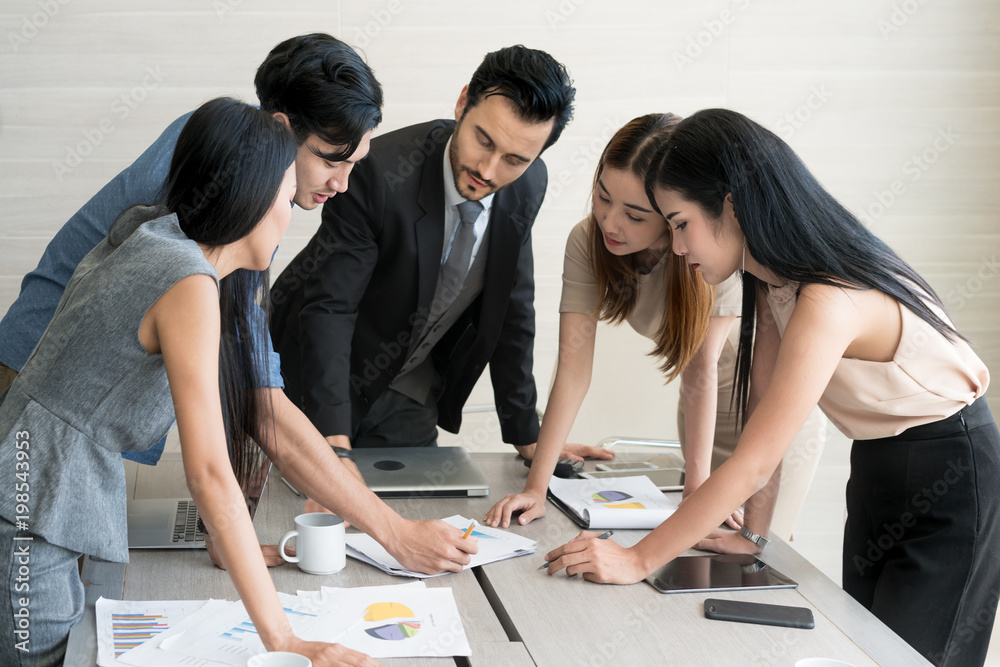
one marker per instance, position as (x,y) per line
(633,278)
(836,318)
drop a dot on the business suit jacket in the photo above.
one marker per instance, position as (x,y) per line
(350,306)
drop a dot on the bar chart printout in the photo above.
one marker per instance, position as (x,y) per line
(130,630)
(124,624)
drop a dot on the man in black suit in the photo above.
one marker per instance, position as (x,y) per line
(387,318)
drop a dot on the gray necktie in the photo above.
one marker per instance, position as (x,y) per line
(456,267)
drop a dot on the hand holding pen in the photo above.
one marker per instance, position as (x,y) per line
(603,536)
(602,560)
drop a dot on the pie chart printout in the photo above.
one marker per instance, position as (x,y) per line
(610,496)
(403,625)
(627,506)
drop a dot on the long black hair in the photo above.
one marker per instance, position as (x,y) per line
(225,174)
(792,225)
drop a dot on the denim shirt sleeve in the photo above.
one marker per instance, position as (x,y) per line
(41,290)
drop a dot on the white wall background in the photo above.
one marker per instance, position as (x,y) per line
(893,104)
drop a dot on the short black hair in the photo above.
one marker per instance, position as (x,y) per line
(324,87)
(539,86)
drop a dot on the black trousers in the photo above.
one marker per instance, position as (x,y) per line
(922,541)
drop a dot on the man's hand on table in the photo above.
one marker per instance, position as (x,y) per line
(430,546)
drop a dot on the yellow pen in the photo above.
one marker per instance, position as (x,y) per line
(468,531)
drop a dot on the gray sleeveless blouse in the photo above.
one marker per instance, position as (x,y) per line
(90,390)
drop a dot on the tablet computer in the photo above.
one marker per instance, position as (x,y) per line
(717,572)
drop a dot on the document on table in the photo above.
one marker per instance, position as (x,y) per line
(123,625)
(617,503)
(494,545)
(229,637)
(407,620)
(403,621)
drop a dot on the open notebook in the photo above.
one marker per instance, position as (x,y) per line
(621,502)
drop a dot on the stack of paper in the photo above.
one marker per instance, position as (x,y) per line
(494,545)
(621,502)
(409,620)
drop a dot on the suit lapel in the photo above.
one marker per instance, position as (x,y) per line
(506,232)
(429,229)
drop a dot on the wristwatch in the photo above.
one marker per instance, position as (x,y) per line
(342,452)
(759,540)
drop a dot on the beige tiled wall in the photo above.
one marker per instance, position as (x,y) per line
(875,95)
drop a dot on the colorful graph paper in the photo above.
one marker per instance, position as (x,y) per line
(130,630)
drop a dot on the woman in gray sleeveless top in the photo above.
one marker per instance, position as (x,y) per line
(162,304)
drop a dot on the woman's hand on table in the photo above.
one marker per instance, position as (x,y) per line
(725,541)
(431,546)
(601,561)
(530,506)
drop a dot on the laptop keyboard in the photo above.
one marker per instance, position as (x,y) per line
(186,523)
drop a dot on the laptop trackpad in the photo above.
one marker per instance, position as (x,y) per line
(148,522)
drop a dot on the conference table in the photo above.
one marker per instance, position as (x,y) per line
(513,613)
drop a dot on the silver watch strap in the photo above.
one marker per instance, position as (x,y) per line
(759,540)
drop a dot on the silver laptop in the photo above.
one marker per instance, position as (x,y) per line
(419,472)
(172,523)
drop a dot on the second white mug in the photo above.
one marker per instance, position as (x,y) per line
(319,543)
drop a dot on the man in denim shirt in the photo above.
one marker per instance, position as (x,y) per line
(315,84)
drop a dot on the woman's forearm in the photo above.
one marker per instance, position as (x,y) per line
(223,509)
(564,404)
(577,335)
(699,399)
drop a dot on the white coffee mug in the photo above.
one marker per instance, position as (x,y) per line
(279,659)
(319,543)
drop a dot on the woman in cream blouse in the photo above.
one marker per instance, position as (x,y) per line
(836,318)
(618,267)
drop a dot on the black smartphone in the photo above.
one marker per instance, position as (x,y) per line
(762,614)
